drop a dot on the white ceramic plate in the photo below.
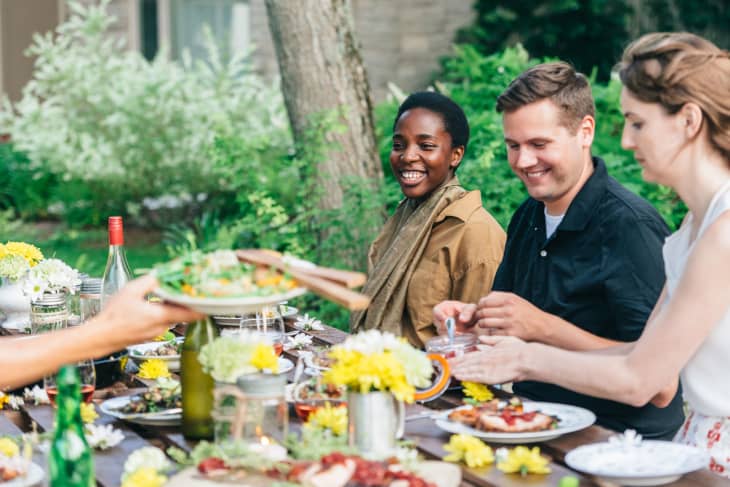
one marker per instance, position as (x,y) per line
(136,352)
(650,463)
(285,365)
(570,419)
(234,321)
(113,407)
(33,476)
(228,306)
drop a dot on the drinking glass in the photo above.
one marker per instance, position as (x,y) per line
(87,374)
(267,322)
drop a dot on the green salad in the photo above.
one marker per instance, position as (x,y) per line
(219,274)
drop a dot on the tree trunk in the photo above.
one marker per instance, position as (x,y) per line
(322,70)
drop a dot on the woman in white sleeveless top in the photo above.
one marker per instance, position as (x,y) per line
(676,101)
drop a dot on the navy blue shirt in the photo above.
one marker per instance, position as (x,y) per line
(601,270)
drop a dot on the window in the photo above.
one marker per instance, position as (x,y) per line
(180,24)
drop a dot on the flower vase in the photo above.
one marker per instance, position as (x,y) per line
(376,420)
(15,306)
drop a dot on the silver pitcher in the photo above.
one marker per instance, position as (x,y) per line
(375,421)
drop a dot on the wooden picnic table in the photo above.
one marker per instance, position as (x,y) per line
(428,438)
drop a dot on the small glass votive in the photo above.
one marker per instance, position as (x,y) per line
(254,411)
(463,343)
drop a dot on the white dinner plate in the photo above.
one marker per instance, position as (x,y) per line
(285,365)
(651,462)
(113,407)
(136,352)
(570,419)
(228,306)
(234,321)
(33,476)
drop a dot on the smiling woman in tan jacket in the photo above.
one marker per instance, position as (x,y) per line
(440,243)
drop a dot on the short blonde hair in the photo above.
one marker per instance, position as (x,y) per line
(674,68)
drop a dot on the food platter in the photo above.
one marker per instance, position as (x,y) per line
(650,462)
(113,407)
(570,419)
(137,352)
(33,476)
(228,306)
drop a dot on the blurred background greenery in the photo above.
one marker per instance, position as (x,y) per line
(212,164)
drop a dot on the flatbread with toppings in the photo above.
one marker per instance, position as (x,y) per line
(503,417)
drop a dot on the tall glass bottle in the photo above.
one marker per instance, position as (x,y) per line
(70,462)
(116,273)
(197,386)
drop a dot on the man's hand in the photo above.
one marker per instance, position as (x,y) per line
(501,313)
(497,361)
(463,313)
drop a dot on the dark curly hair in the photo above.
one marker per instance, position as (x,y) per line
(455,122)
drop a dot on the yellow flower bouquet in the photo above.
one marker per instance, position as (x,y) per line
(17,258)
(230,357)
(375,361)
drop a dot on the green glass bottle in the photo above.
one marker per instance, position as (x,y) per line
(70,462)
(197,386)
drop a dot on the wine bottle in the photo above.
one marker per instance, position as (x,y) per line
(197,386)
(116,273)
(70,461)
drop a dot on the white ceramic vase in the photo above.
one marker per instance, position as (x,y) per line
(15,306)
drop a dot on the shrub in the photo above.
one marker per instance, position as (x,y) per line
(127,128)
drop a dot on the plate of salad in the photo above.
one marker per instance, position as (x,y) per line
(216,283)
(160,405)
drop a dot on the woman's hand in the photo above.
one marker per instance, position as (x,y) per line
(499,359)
(131,319)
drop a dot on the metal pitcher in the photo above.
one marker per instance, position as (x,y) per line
(375,421)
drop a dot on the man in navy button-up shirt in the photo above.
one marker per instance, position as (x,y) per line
(582,267)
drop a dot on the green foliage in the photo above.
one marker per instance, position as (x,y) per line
(116,128)
(584,32)
(589,33)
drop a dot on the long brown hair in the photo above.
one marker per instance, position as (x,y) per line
(674,68)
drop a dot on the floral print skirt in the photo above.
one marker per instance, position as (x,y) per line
(711,433)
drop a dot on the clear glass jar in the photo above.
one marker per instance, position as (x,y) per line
(49,312)
(73,303)
(254,411)
(90,297)
(463,343)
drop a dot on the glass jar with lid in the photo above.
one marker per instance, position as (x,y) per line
(90,297)
(49,312)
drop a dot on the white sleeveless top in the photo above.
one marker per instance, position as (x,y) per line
(705,377)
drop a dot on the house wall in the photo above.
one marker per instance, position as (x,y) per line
(18,22)
(402,40)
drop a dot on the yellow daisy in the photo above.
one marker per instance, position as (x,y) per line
(524,460)
(88,413)
(472,451)
(478,392)
(263,357)
(8,447)
(153,369)
(144,477)
(329,417)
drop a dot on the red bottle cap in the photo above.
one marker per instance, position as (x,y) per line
(116,230)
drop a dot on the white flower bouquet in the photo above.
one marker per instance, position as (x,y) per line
(50,276)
